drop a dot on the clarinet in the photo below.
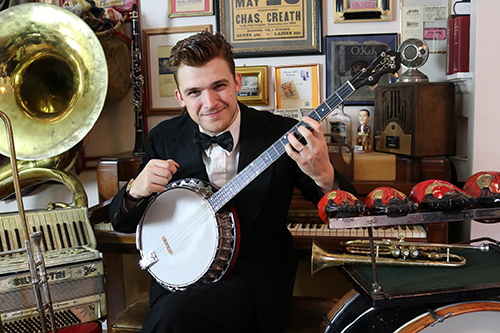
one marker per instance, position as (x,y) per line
(138,79)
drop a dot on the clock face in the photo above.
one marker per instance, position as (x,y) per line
(414,52)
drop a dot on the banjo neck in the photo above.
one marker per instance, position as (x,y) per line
(386,62)
(220,198)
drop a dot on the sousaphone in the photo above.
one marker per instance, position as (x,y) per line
(53,83)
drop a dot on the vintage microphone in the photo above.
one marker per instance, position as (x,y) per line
(138,79)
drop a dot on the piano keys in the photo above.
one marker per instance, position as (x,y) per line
(332,239)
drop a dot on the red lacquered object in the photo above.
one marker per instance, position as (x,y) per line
(389,201)
(92,327)
(485,186)
(439,195)
(339,204)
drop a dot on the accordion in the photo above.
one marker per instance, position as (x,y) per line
(75,270)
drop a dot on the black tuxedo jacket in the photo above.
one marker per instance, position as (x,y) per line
(267,258)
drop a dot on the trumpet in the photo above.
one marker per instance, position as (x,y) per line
(388,252)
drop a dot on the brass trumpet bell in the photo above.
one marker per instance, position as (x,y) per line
(53,79)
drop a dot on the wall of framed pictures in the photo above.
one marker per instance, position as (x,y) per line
(314,50)
(116,122)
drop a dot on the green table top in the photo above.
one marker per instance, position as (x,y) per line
(479,278)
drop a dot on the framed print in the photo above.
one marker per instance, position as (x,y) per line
(296,87)
(160,83)
(362,11)
(254,90)
(347,54)
(271,27)
(178,8)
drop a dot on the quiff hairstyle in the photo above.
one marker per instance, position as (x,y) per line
(198,49)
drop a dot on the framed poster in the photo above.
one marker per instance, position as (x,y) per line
(271,27)
(160,83)
(178,8)
(254,90)
(296,87)
(347,54)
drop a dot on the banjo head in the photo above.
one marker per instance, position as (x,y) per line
(182,241)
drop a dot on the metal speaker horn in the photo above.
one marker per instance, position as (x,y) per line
(414,54)
(53,79)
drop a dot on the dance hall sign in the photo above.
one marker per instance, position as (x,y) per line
(271,26)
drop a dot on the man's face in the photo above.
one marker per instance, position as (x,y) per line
(363,117)
(209,94)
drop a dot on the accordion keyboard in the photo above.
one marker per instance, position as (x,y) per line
(67,237)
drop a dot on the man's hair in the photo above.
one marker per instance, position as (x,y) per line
(198,49)
(367,112)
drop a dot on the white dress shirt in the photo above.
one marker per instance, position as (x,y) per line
(222,165)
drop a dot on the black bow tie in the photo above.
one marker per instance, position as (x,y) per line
(203,141)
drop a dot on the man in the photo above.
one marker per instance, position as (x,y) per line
(256,295)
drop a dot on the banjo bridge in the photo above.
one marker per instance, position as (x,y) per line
(166,245)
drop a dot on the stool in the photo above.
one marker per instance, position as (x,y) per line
(131,319)
(307,313)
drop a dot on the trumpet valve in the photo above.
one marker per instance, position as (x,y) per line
(414,252)
(395,251)
(405,252)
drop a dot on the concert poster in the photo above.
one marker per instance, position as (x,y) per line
(271,27)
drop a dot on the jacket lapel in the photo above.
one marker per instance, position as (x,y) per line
(253,141)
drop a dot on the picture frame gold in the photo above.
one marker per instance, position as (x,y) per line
(353,11)
(179,8)
(297,86)
(254,90)
(160,84)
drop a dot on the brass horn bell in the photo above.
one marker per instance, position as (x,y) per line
(53,79)
(53,83)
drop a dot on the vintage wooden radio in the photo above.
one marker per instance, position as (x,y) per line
(416,119)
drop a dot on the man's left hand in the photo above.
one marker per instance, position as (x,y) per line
(312,157)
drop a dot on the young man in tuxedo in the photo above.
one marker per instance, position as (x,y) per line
(256,295)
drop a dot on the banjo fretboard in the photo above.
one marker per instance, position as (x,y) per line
(386,62)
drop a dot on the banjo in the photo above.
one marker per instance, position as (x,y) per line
(187,236)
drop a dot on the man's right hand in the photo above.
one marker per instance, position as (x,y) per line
(153,178)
